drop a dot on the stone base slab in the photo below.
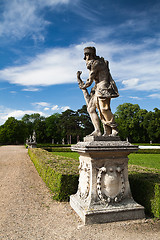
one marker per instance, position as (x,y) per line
(129,210)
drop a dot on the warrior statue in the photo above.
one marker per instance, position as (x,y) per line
(101,94)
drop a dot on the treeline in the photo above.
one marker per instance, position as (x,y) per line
(138,125)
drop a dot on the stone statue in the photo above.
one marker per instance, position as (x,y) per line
(34,137)
(101,94)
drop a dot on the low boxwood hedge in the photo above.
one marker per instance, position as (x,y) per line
(61,175)
(145,188)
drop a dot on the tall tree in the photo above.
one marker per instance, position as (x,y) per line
(53,129)
(35,122)
(13,131)
(85,123)
(129,118)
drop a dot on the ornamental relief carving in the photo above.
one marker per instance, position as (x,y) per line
(110,184)
(84,180)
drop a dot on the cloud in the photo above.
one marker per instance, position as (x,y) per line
(63,109)
(60,109)
(31,89)
(5,113)
(56,66)
(24,18)
(132,66)
(154,95)
(55,107)
(41,104)
(46,109)
(130,83)
(137,98)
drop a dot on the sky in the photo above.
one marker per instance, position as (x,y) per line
(41,50)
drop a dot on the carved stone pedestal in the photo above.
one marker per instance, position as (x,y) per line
(104,193)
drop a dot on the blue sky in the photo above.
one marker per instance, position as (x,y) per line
(41,49)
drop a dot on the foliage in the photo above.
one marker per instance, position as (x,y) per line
(59,173)
(148,151)
(53,130)
(58,149)
(35,122)
(138,125)
(12,132)
(148,191)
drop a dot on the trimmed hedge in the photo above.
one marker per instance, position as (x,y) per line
(148,151)
(145,188)
(44,145)
(59,173)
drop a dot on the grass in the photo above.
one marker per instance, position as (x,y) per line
(59,170)
(145,160)
(73,155)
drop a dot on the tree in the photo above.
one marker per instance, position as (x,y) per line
(53,130)
(35,122)
(69,125)
(129,118)
(12,132)
(152,125)
(85,122)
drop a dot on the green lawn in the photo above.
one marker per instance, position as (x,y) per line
(144,160)
(73,155)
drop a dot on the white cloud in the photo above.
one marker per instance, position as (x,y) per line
(154,95)
(130,83)
(46,109)
(55,107)
(5,113)
(41,104)
(31,89)
(60,109)
(56,66)
(134,66)
(24,18)
(137,98)
(65,108)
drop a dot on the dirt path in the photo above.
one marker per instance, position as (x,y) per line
(27,210)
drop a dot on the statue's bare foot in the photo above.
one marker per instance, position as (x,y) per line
(105,135)
(95,133)
(114,133)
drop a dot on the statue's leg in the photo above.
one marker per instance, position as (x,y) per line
(107,130)
(94,117)
(110,127)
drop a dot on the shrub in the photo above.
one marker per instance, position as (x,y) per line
(145,188)
(60,174)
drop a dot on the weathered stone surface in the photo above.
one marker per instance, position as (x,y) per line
(104,193)
(100,96)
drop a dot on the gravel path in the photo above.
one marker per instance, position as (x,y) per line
(27,210)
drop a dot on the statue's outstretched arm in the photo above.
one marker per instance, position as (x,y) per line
(82,86)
